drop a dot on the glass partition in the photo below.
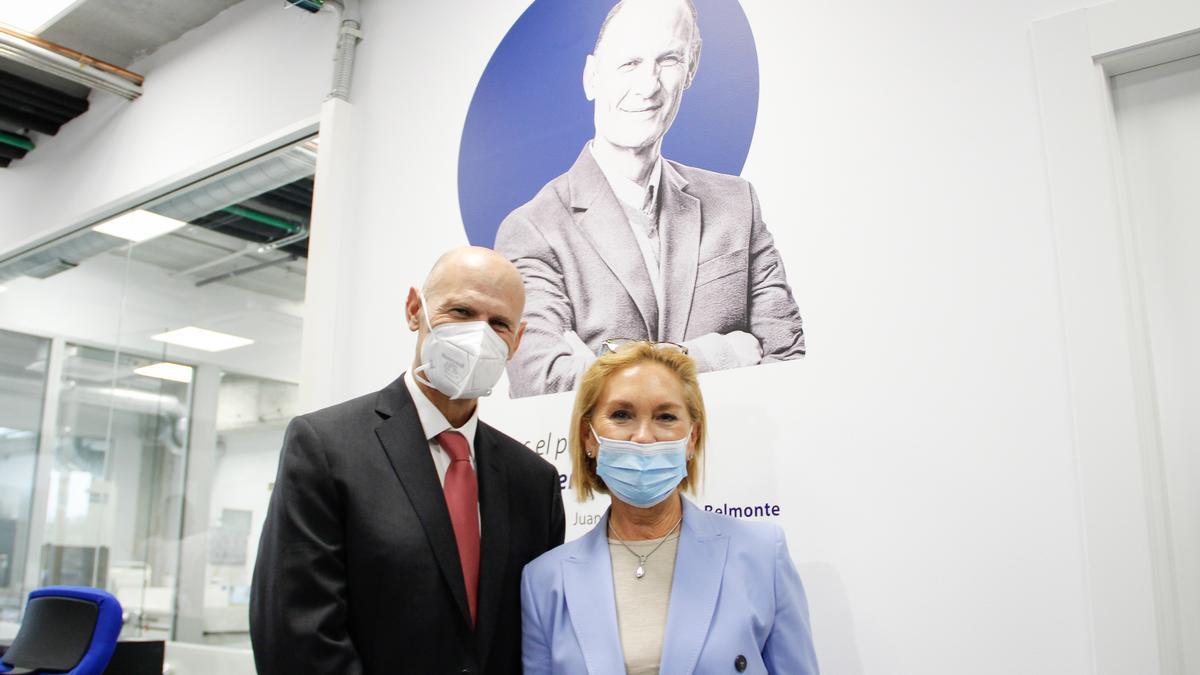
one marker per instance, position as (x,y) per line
(252,414)
(162,349)
(22,392)
(115,494)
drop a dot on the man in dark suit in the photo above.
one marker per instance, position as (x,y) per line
(400,523)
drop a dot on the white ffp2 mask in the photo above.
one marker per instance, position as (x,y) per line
(462,359)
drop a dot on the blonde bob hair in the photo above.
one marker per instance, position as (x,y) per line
(583,476)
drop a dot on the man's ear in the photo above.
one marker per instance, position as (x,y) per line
(412,310)
(517,342)
(693,64)
(589,77)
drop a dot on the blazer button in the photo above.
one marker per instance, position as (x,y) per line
(740,663)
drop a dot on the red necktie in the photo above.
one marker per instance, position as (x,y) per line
(462,498)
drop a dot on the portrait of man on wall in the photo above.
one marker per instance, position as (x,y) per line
(630,244)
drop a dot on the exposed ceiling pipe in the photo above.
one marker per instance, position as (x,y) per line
(212,194)
(245,270)
(69,64)
(286,241)
(248,181)
(259,217)
(245,251)
(349,34)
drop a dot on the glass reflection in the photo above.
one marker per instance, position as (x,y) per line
(22,389)
(116,487)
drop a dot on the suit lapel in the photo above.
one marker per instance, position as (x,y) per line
(679,225)
(605,225)
(591,602)
(408,451)
(699,567)
(492,475)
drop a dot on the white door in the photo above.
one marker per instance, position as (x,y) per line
(1158,122)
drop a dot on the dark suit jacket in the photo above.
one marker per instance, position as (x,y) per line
(358,570)
(584,272)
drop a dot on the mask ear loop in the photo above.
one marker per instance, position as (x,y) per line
(595,436)
(417,372)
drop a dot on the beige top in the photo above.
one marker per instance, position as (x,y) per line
(642,603)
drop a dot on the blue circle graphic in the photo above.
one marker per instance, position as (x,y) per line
(529,119)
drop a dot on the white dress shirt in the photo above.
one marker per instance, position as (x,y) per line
(433,422)
(643,199)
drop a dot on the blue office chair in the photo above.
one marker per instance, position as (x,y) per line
(66,629)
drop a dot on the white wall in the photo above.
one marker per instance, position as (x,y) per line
(251,71)
(922,452)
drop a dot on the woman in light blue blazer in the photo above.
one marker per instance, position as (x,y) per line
(659,585)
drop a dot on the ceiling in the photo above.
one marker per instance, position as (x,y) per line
(213,236)
(246,227)
(116,31)
(122,31)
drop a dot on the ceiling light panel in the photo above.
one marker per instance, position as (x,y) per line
(202,339)
(139,226)
(165,370)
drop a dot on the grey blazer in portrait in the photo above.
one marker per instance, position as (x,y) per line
(585,275)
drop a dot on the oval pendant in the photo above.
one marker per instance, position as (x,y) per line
(640,572)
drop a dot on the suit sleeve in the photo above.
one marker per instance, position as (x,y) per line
(298,615)
(558,519)
(535,645)
(545,361)
(773,314)
(789,647)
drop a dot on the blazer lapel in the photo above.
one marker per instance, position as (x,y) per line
(606,227)
(699,568)
(408,451)
(492,475)
(588,584)
(679,225)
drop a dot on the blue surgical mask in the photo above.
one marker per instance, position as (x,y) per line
(641,474)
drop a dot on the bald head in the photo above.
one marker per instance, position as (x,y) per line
(470,283)
(644,8)
(475,265)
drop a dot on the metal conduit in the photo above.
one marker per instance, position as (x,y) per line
(19,48)
(349,34)
(286,167)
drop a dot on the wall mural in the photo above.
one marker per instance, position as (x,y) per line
(607,153)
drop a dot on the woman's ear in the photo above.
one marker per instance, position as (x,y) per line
(589,441)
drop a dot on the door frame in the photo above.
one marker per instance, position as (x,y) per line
(1129,567)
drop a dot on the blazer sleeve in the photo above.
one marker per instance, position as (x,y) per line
(773,314)
(298,615)
(545,361)
(535,644)
(789,646)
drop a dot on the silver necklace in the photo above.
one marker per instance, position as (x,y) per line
(641,568)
